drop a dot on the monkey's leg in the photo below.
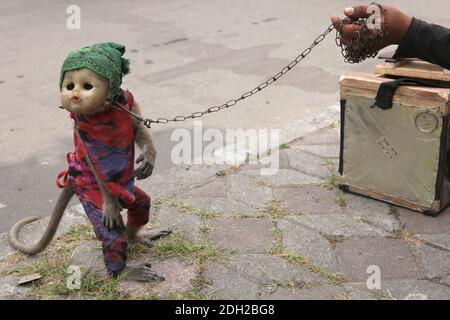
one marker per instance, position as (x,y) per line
(138,215)
(147,238)
(140,272)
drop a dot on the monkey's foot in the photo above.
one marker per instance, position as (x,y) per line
(141,273)
(149,238)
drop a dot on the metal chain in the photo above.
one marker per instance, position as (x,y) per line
(148,122)
(363,46)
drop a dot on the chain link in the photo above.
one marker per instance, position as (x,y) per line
(364,45)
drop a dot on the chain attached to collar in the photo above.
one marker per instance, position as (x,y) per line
(365,44)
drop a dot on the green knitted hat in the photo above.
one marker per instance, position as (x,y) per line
(105,59)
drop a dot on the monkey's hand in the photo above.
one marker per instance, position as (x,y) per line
(111,214)
(146,168)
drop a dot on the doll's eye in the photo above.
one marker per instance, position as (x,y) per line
(87,86)
(70,86)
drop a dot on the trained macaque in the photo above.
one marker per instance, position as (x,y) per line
(101,168)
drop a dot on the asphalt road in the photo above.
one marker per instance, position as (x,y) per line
(185,56)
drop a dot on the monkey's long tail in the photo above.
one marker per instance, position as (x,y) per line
(49,233)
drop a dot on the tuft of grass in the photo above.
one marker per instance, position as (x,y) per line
(329,164)
(383,295)
(282,283)
(156,203)
(10,261)
(185,208)
(276,210)
(331,183)
(340,199)
(277,241)
(359,217)
(343,296)
(187,295)
(137,249)
(332,278)
(262,182)
(407,236)
(204,228)
(207,214)
(229,170)
(333,239)
(260,215)
(176,244)
(333,125)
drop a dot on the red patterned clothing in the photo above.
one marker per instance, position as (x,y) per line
(108,138)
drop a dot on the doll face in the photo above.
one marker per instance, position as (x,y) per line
(83,91)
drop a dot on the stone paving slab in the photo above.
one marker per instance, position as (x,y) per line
(224,283)
(177,179)
(245,189)
(326,292)
(357,291)
(283,178)
(224,206)
(242,235)
(407,290)
(321,136)
(328,151)
(440,240)
(419,223)
(307,163)
(188,224)
(179,277)
(307,243)
(436,261)
(375,212)
(88,255)
(309,199)
(215,189)
(10,290)
(337,225)
(393,257)
(268,270)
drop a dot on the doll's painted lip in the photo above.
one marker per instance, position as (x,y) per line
(75,99)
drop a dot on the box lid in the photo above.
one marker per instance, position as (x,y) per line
(368,84)
(412,68)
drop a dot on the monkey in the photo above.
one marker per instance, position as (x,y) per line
(102,175)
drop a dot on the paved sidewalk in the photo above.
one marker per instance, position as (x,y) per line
(240,235)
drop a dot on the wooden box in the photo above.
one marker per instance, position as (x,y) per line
(399,154)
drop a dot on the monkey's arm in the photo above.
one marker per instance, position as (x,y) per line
(144,140)
(111,207)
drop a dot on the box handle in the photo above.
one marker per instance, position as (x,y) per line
(386,91)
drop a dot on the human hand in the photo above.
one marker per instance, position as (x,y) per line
(397,24)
